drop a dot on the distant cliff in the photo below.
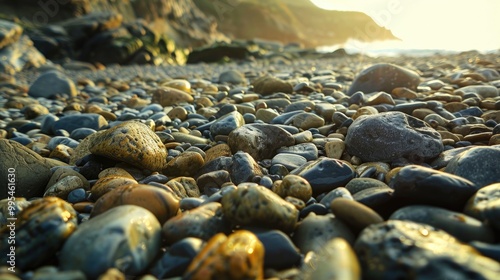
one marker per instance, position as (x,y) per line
(291,21)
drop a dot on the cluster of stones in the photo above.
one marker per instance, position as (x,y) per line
(392,173)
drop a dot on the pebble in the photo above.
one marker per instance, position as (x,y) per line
(404,249)
(293,185)
(354,214)
(237,256)
(254,205)
(384,77)
(202,222)
(31,171)
(184,187)
(422,185)
(234,77)
(40,229)
(226,124)
(131,142)
(104,242)
(307,150)
(279,250)
(72,122)
(478,164)
(261,141)
(244,168)
(52,83)
(390,136)
(359,184)
(325,174)
(290,161)
(334,148)
(185,164)
(177,258)
(267,85)
(337,260)
(64,187)
(169,96)
(477,204)
(163,204)
(315,231)
(462,227)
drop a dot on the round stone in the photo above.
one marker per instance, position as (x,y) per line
(168,96)
(384,77)
(254,205)
(186,164)
(267,85)
(477,204)
(293,185)
(52,83)
(127,237)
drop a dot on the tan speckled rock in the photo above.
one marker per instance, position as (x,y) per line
(254,205)
(184,187)
(221,150)
(186,164)
(83,149)
(268,85)
(109,183)
(168,96)
(295,186)
(239,256)
(133,143)
(334,148)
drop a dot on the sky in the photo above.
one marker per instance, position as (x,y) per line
(432,24)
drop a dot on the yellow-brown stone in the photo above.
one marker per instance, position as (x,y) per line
(168,96)
(109,183)
(185,164)
(184,187)
(239,256)
(132,142)
(295,186)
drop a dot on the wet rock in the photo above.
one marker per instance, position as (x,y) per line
(213,181)
(40,230)
(72,122)
(354,214)
(163,204)
(105,241)
(30,172)
(307,150)
(358,184)
(477,204)
(261,141)
(462,227)
(315,231)
(384,77)
(393,135)
(479,165)
(202,222)
(238,256)
(339,192)
(226,124)
(295,186)
(64,186)
(177,258)
(186,164)
(244,168)
(109,183)
(422,185)
(404,249)
(9,33)
(52,83)
(131,142)
(337,261)
(326,174)
(168,96)
(253,205)
(267,85)
(280,252)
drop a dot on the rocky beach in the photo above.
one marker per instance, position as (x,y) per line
(255,160)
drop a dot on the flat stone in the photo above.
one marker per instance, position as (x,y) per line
(384,77)
(290,161)
(261,141)
(234,77)
(163,204)
(354,214)
(422,185)
(307,150)
(202,222)
(462,227)
(404,249)
(238,256)
(326,174)
(168,96)
(484,91)
(358,184)
(267,85)
(30,171)
(306,121)
(41,230)
(226,124)
(479,165)
(393,135)
(72,122)
(254,205)
(106,241)
(52,83)
(131,142)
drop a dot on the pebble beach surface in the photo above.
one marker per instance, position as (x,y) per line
(320,168)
